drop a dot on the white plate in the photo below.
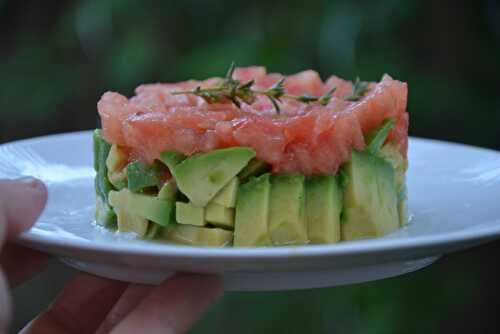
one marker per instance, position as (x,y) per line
(453,192)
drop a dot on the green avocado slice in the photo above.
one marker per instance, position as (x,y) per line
(104,214)
(403,206)
(219,215)
(97,141)
(150,207)
(129,222)
(197,236)
(189,214)
(391,153)
(115,162)
(370,198)
(323,208)
(140,175)
(101,152)
(227,195)
(287,224)
(252,213)
(153,231)
(168,191)
(202,176)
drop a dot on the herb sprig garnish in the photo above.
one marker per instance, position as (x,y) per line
(359,89)
(238,92)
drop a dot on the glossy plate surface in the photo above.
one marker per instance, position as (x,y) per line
(453,203)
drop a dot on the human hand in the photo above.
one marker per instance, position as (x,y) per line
(21,202)
(90,304)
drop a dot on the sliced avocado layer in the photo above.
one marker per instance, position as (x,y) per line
(252,213)
(370,198)
(219,215)
(227,195)
(187,213)
(150,207)
(198,236)
(287,224)
(202,176)
(323,208)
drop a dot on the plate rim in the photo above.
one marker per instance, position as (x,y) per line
(360,247)
(366,246)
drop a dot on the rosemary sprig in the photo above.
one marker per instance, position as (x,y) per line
(238,92)
(359,89)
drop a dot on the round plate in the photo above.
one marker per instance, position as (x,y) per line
(453,204)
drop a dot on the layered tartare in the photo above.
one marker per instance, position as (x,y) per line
(254,159)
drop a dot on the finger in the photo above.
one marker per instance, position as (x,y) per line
(20,263)
(80,307)
(5,310)
(21,203)
(132,296)
(174,306)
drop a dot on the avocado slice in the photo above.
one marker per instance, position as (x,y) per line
(129,222)
(219,215)
(227,195)
(390,152)
(202,176)
(168,191)
(252,212)
(187,213)
(101,152)
(370,198)
(287,224)
(97,142)
(150,207)
(104,214)
(115,162)
(198,236)
(254,168)
(403,206)
(323,208)
(140,175)
(171,159)
(153,231)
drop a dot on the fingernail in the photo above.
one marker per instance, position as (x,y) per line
(30,183)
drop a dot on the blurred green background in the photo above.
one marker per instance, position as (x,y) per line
(57,58)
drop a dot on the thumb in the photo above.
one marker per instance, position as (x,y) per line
(21,203)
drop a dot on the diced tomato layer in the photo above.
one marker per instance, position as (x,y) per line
(302,138)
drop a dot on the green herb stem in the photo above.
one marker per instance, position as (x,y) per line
(238,92)
(359,89)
